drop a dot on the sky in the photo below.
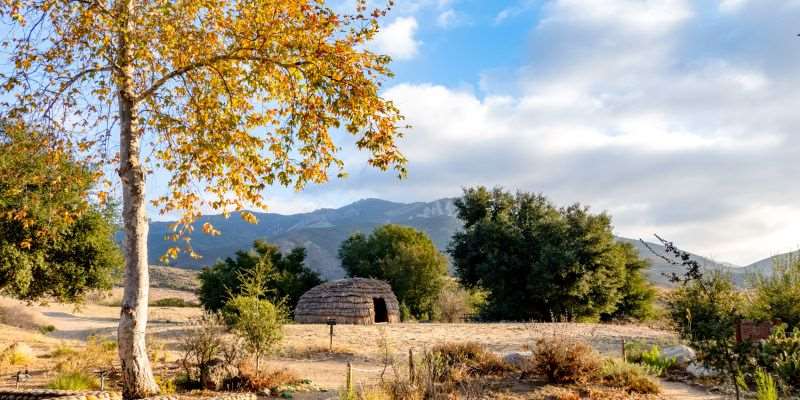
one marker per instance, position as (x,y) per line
(677,117)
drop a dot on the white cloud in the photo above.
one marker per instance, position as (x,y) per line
(397,39)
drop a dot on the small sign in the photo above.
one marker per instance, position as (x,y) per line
(751,331)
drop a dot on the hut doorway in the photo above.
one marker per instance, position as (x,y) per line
(381,314)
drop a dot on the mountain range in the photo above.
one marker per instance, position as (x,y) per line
(322,231)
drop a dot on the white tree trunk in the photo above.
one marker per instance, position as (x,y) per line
(137,376)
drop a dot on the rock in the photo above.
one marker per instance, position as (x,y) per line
(518,360)
(683,355)
(699,370)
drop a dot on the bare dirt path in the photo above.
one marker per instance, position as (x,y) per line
(682,391)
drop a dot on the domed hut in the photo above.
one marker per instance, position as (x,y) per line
(356,301)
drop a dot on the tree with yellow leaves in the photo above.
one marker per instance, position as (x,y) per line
(226,96)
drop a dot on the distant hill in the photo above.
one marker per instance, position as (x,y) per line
(322,231)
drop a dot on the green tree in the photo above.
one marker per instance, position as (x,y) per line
(402,256)
(638,294)
(286,276)
(53,242)
(541,262)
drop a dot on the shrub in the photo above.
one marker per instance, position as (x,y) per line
(562,360)
(655,363)
(75,380)
(705,311)
(455,303)
(258,322)
(780,355)
(251,381)
(631,377)
(46,329)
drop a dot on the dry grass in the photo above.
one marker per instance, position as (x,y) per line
(315,352)
(564,360)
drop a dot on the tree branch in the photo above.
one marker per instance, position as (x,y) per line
(71,82)
(230,56)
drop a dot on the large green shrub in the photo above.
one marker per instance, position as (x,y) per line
(286,276)
(777,295)
(402,256)
(540,262)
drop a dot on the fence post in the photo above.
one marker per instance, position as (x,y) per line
(349,378)
(411,372)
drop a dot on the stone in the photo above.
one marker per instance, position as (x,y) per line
(699,370)
(518,359)
(683,355)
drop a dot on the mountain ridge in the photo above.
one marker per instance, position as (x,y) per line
(321,231)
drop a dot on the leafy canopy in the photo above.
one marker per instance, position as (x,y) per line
(229,96)
(402,256)
(285,277)
(541,262)
(53,242)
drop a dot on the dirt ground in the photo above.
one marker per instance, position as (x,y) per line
(304,349)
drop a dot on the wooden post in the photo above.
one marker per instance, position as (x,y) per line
(349,378)
(411,366)
(624,358)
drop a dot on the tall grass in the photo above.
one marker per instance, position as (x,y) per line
(766,389)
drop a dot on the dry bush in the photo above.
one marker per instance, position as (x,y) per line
(201,349)
(248,380)
(631,377)
(564,360)
(473,357)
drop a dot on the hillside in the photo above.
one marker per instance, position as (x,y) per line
(321,232)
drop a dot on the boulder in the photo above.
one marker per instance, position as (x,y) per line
(683,355)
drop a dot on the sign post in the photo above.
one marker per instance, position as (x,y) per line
(331,322)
